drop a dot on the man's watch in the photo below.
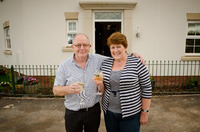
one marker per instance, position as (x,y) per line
(144,110)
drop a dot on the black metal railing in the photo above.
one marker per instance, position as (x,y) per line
(174,77)
(167,77)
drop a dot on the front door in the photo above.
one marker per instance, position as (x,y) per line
(102,31)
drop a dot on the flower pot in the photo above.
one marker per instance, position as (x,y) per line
(31,89)
(19,88)
(5,89)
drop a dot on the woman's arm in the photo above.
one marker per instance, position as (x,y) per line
(145,111)
(146,95)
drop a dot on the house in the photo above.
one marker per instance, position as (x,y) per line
(40,32)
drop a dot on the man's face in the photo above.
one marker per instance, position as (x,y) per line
(81,46)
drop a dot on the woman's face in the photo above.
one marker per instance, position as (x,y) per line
(118,51)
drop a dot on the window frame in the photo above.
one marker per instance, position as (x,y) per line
(71,31)
(191,37)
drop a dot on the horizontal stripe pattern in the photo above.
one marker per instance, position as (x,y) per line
(134,85)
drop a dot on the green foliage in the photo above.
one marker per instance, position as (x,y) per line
(8,73)
(151,79)
(52,78)
(5,80)
(152,82)
(192,82)
(1,68)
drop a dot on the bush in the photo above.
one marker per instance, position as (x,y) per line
(192,82)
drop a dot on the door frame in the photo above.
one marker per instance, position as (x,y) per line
(127,7)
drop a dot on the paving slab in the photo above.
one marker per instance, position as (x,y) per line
(167,114)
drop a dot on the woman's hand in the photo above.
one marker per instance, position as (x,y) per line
(99,84)
(144,118)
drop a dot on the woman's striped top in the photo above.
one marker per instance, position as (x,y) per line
(134,84)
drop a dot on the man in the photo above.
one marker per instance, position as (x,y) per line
(82,108)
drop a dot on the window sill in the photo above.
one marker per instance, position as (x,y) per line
(67,49)
(190,58)
(7,52)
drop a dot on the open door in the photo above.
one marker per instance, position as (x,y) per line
(102,31)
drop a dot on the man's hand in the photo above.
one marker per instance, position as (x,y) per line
(139,56)
(74,88)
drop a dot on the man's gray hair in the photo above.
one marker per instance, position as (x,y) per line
(79,34)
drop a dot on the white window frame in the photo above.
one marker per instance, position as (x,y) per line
(191,37)
(71,31)
(7,38)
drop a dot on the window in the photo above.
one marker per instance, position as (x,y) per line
(72,30)
(7,41)
(193,38)
(7,38)
(108,15)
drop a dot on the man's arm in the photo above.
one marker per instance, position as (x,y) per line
(64,90)
(60,88)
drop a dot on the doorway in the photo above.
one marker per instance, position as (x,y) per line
(102,31)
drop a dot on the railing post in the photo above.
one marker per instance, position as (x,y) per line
(13,79)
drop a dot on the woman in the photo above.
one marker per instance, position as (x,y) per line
(127,96)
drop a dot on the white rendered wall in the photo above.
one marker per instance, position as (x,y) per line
(37,29)
(163,26)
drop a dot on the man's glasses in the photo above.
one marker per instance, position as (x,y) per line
(84,45)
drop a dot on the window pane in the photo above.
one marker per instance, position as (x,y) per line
(70,38)
(72,26)
(189,42)
(197,42)
(197,49)
(108,15)
(189,50)
(7,32)
(8,43)
(191,28)
(198,29)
